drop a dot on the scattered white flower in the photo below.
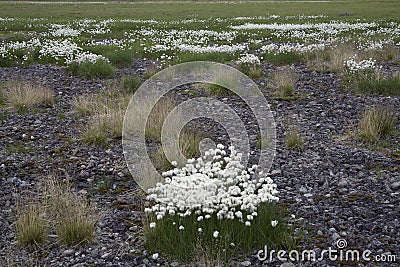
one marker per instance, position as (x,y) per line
(152,225)
(274,223)
(215,234)
(155,256)
(181,228)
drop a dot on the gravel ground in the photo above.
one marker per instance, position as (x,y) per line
(336,187)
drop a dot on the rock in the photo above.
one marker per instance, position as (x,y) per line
(335,236)
(395,186)
(245,263)
(68,252)
(105,255)
(343,183)
(287,264)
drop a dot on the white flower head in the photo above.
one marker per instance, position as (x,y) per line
(274,223)
(215,234)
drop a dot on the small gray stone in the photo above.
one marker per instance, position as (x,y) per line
(395,186)
(68,252)
(105,255)
(287,264)
(335,236)
(332,230)
(303,190)
(174,264)
(245,263)
(343,183)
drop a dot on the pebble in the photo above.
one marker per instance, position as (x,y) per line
(246,263)
(68,252)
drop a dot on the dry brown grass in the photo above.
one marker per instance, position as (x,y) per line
(284,81)
(24,96)
(157,117)
(331,59)
(57,210)
(376,122)
(106,110)
(71,217)
(150,71)
(30,227)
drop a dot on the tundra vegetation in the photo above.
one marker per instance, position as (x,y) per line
(213,208)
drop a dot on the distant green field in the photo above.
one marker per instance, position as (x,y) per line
(185,9)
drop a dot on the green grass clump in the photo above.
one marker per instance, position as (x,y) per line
(217,90)
(189,245)
(89,70)
(130,83)
(282,59)
(71,217)
(75,229)
(294,141)
(102,127)
(375,84)
(120,58)
(376,123)
(285,81)
(254,71)
(30,226)
(106,110)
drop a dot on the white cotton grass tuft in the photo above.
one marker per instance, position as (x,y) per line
(216,184)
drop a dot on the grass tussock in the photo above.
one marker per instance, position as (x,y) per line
(106,110)
(58,211)
(374,83)
(30,227)
(284,81)
(150,71)
(89,70)
(375,123)
(130,83)
(25,96)
(330,60)
(283,59)
(294,140)
(157,117)
(223,84)
(72,218)
(338,55)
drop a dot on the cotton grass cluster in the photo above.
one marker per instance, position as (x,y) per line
(216,183)
(355,66)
